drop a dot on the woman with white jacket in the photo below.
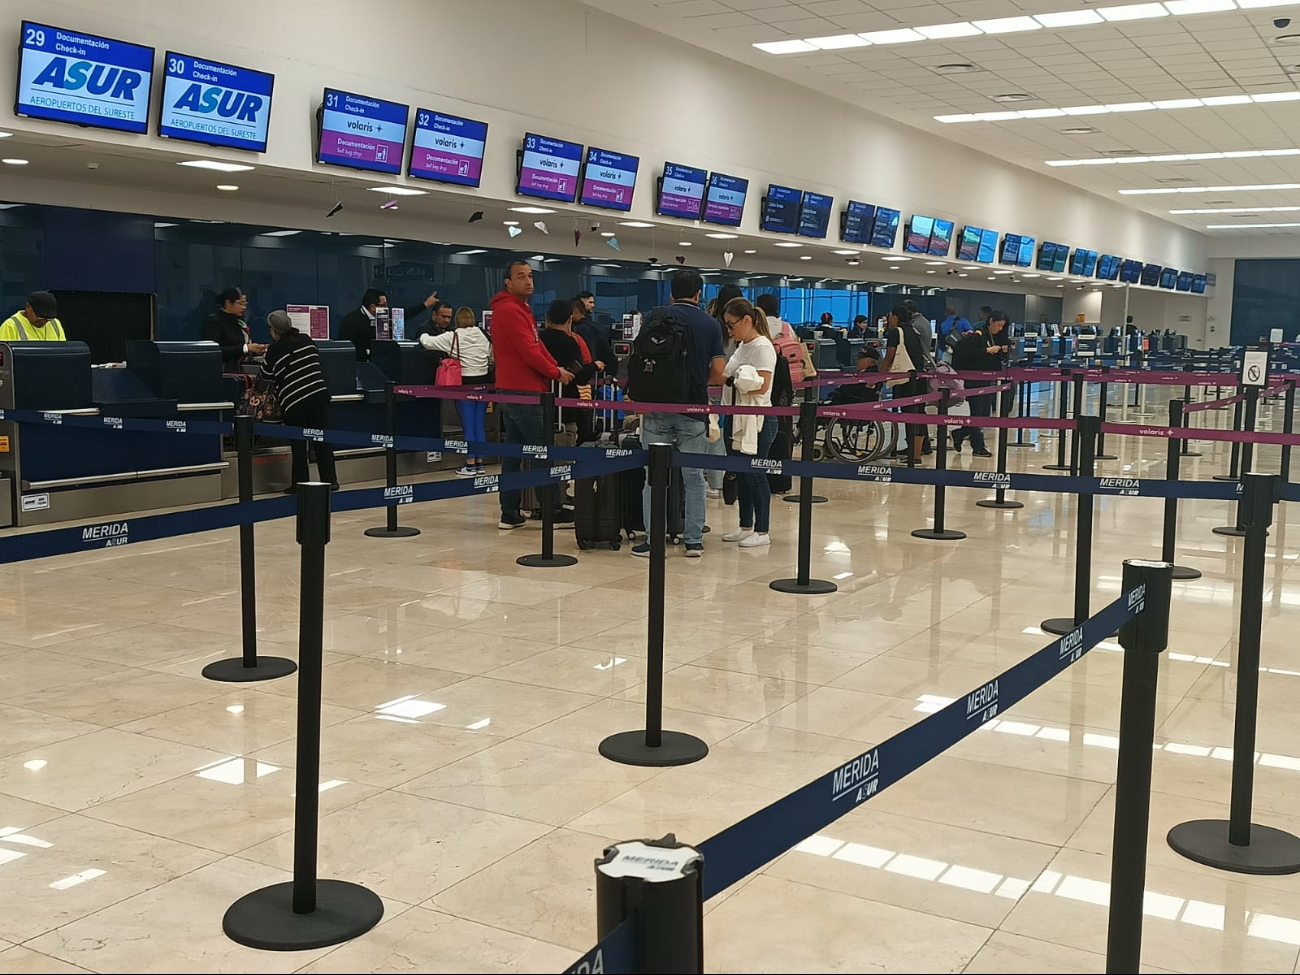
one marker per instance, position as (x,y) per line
(749,383)
(471,346)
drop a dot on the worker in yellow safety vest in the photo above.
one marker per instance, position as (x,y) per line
(36,322)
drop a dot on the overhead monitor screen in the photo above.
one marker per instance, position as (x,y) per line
(725,202)
(1062,257)
(919,232)
(988,247)
(1076,260)
(781,209)
(1151,275)
(884,232)
(856,221)
(214,103)
(1131,271)
(1047,255)
(1198,284)
(681,192)
(362,132)
(815,214)
(609,179)
(549,168)
(1184,280)
(447,148)
(1010,249)
(85,79)
(941,239)
(1026,258)
(969,248)
(1089,263)
(1169,278)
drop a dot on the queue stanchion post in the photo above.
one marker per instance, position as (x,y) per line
(391,529)
(248,667)
(1288,427)
(306,912)
(1238,528)
(937,531)
(654,747)
(809,396)
(803,583)
(1187,443)
(999,500)
(1102,405)
(1143,638)
(1063,413)
(548,499)
(1238,844)
(1234,473)
(1026,389)
(657,885)
(1170,531)
(1086,433)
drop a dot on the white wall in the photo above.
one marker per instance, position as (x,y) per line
(1075,303)
(564,69)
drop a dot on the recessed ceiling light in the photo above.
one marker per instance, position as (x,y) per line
(718,235)
(853,261)
(837,42)
(898,258)
(1054,279)
(14,162)
(1004,272)
(510,223)
(898,35)
(217,166)
(224,187)
(1008,25)
(805,257)
(786,243)
(530,210)
(934,263)
(992,278)
(843,253)
(931,272)
(276,233)
(1078,130)
(1133,11)
(1013,96)
(683,243)
(893,267)
(1069,18)
(1287,39)
(957,67)
(970,267)
(962,274)
(397,190)
(786,47)
(1031,275)
(630,223)
(607,233)
(751,251)
(939,32)
(475,250)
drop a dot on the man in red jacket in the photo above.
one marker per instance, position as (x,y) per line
(523,364)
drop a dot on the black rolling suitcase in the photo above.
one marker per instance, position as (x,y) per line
(598,511)
(634,512)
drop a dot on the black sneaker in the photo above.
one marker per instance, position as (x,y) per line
(956,445)
(982,452)
(563,517)
(510,522)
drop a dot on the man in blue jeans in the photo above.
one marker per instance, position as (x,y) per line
(689,434)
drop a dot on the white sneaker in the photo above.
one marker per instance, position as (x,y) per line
(739,535)
(755,540)
(713,494)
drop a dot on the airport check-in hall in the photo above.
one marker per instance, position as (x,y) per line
(649,486)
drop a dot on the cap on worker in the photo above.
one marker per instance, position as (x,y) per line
(44,304)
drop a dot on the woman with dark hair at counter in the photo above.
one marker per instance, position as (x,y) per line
(293,369)
(226,327)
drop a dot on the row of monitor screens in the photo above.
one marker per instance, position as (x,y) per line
(86,79)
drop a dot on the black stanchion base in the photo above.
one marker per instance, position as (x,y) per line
(995,503)
(1106,457)
(1057,467)
(232,669)
(1231,530)
(676,748)
(947,535)
(795,499)
(1225,477)
(542,562)
(265,919)
(1190,453)
(813,587)
(1020,443)
(1058,626)
(394,533)
(1271,851)
(1186,572)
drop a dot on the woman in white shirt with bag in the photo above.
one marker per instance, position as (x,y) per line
(749,383)
(467,345)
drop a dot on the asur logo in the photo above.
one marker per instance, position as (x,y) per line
(96,79)
(204,100)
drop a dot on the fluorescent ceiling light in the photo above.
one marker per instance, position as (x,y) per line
(1041,113)
(996,116)
(530,210)
(1131,107)
(276,233)
(1085,110)
(630,223)
(940,32)
(1214,100)
(23,162)
(1180,8)
(5,135)
(1249,226)
(899,35)
(1174,157)
(786,47)
(1069,18)
(1134,11)
(476,250)
(1258,4)
(213,164)
(786,243)
(1008,25)
(1170,103)
(1241,210)
(1276,96)
(965,117)
(838,41)
(721,236)
(1247,187)
(397,190)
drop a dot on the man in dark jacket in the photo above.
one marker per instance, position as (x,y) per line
(596,337)
(227,328)
(358,325)
(982,349)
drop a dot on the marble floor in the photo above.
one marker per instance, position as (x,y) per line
(464,697)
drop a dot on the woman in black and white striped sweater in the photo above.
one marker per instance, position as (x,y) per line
(293,369)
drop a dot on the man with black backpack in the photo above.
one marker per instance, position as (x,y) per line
(676,357)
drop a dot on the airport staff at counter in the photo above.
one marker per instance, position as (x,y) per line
(358,325)
(226,327)
(38,322)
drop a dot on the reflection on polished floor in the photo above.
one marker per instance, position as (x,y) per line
(465,696)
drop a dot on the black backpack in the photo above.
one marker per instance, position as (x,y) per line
(658,371)
(782,385)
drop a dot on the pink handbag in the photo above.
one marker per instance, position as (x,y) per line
(449,371)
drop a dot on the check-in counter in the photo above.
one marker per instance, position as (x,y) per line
(64,472)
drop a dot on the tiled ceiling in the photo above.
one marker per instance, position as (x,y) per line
(1206,55)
